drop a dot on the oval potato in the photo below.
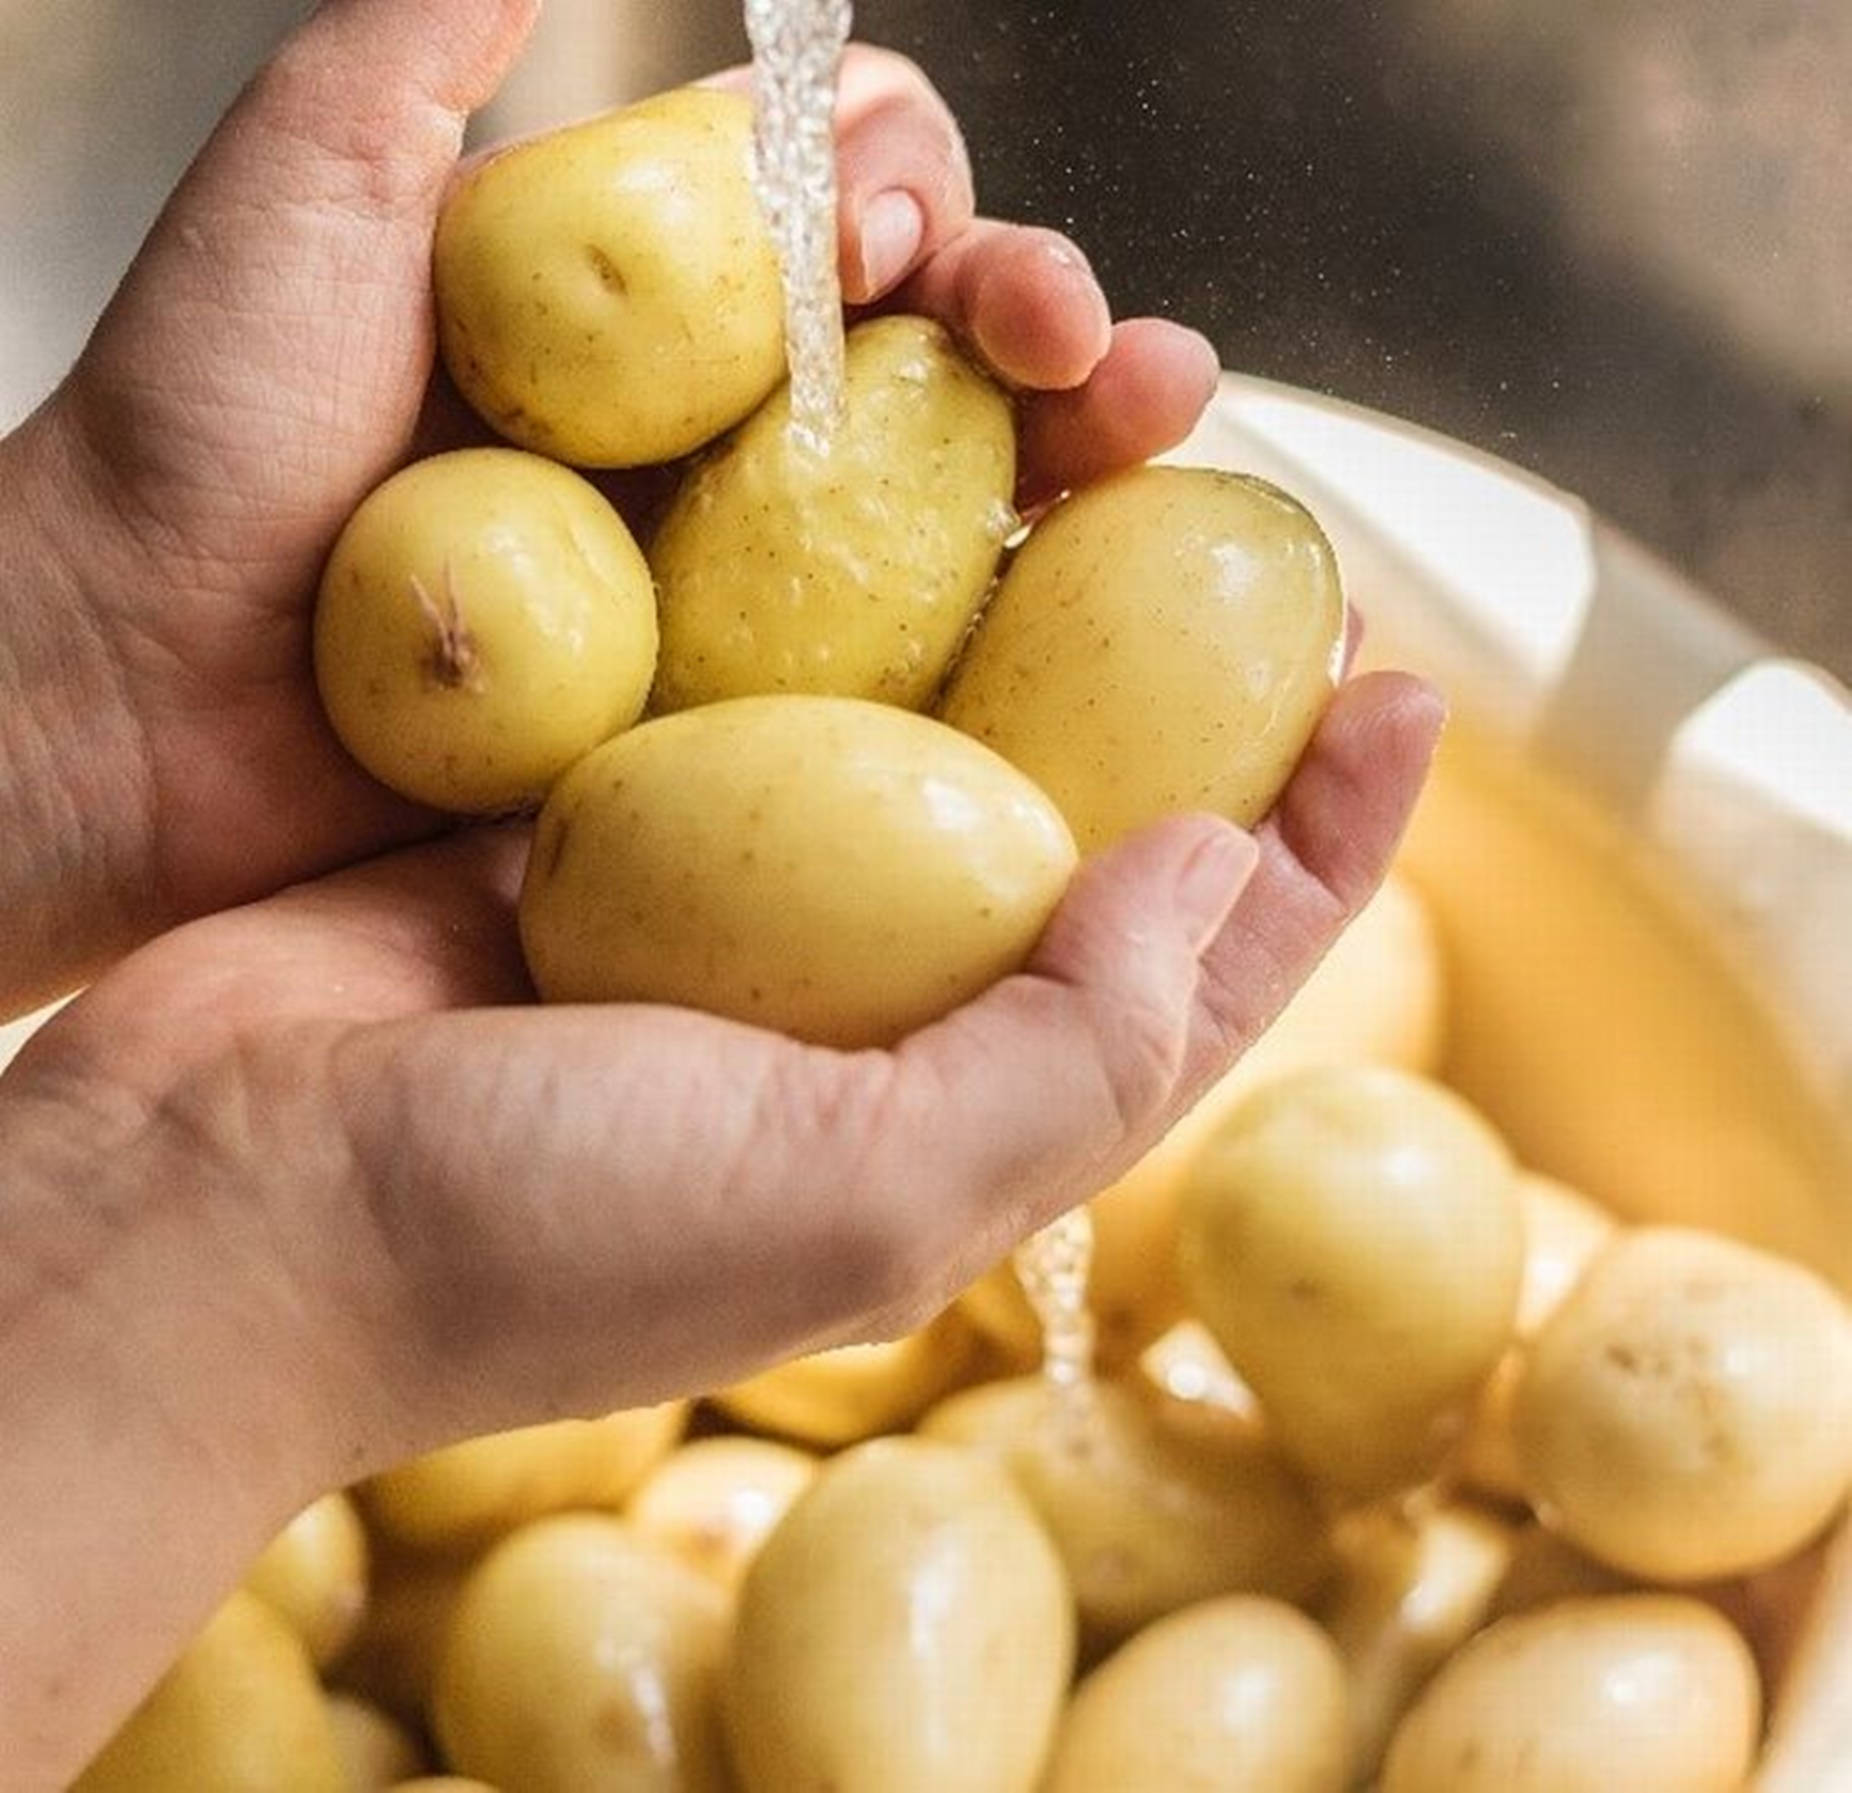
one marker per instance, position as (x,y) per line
(1165,640)
(839,870)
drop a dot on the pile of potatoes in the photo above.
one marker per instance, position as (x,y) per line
(1400,1465)
(1403,1467)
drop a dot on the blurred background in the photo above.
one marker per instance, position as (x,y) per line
(1609,240)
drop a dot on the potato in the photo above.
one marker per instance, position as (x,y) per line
(376,1750)
(1587,1696)
(1378,997)
(239,1712)
(314,1574)
(581,1659)
(1413,1583)
(841,1396)
(484,620)
(714,1502)
(1687,1413)
(465,1495)
(840,870)
(1165,640)
(856,572)
(1153,1505)
(1239,1695)
(1352,1238)
(608,294)
(1563,1230)
(907,1629)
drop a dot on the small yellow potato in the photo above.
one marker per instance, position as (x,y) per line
(314,1574)
(1647,1691)
(839,870)
(391,1661)
(1352,1238)
(906,1629)
(485,619)
(582,1659)
(1378,997)
(608,294)
(1237,1695)
(376,1750)
(841,1396)
(857,571)
(714,1502)
(239,1712)
(1687,1412)
(1412,1584)
(1152,1504)
(1563,1230)
(464,1495)
(1165,640)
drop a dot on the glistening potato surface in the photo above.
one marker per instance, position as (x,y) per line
(839,870)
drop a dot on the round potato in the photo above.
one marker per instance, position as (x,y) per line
(1687,1412)
(240,1712)
(842,871)
(907,1629)
(314,1574)
(1352,1238)
(608,294)
(854,572)
(1587,1696)
(465,1495)
(581,1658)
(715,1501)
(1165,640)
(376,1749)
(1152,1504)
(485,618)
(1242,1695)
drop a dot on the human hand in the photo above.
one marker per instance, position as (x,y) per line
(269,359)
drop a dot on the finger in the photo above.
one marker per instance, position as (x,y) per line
(903,176)
(1023,298)
(1142,398)
(1324,850)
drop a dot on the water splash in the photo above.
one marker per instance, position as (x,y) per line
(797,48)
(1053,1267)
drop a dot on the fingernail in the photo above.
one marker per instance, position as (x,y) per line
(893,227)
(1212,879)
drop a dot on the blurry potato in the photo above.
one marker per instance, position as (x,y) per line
(906,1629)
(582,1659)
(1687,1412)
(1165,640)
(1411,1585)
(239,1712)
(1153,1505)
(1587,1696)
(855,572)
(1378,997)
(1352,1238)
(1239,1695)
(466,1494)
(314,1574)
(839,870)
(1562,1232)
(376,1750)
(714,1502)
(841,1396)
(608,294)
(484,620)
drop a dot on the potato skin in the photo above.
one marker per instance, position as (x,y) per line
(608,294)
(842,871)
(485,618)
(1165,640)
(856,572)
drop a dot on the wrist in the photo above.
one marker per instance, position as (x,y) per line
(72,797)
